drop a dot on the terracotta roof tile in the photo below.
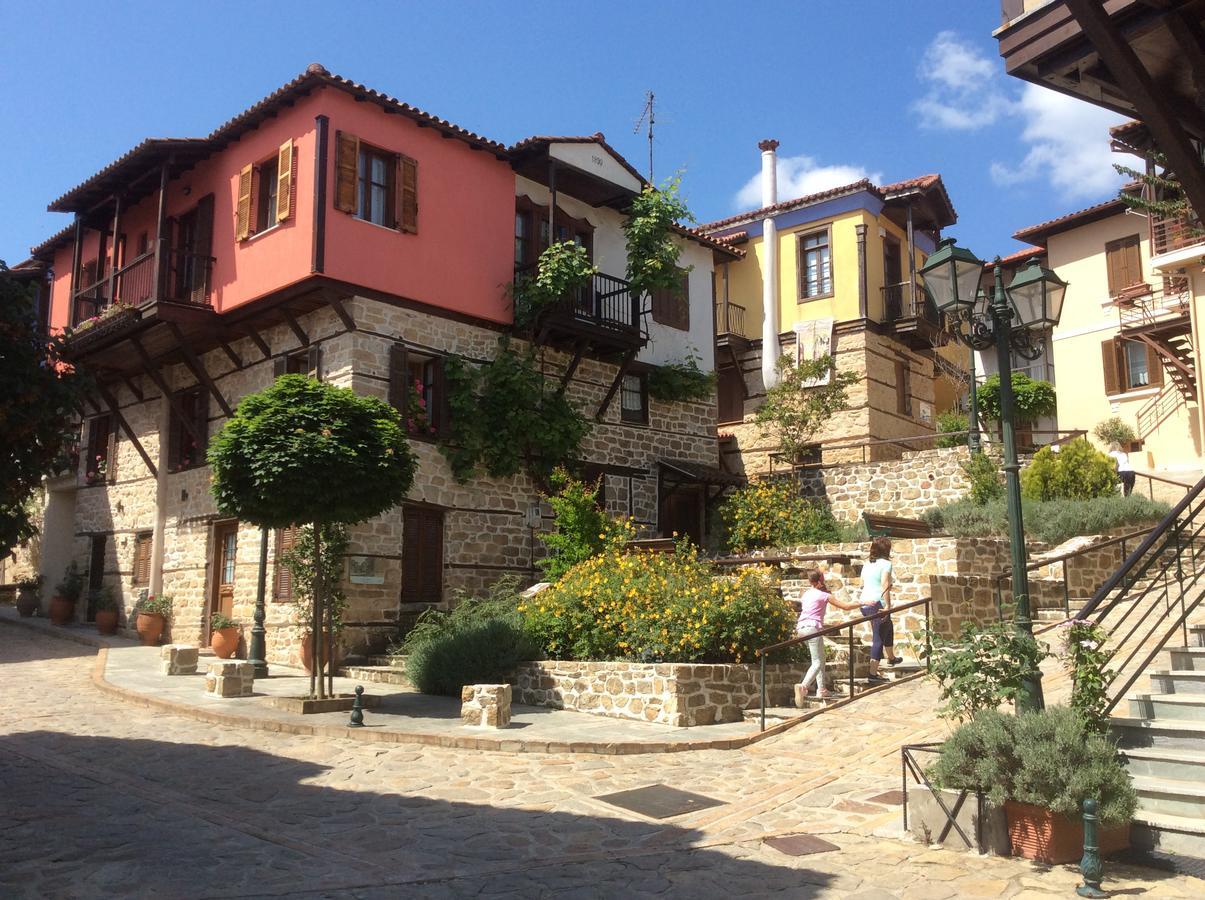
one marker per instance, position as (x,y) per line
(788,205)
(1019,256)
(1037,233)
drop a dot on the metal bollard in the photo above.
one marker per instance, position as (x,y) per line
(357,709)
(1090,866)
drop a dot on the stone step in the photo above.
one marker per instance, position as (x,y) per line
(1169,762)
(375,674)
(1136,731)
(1172,797)
(1050,615)
(1187,658)
(1163,707)
(1178,835)
(394,661)
(1177,681)
(774,714)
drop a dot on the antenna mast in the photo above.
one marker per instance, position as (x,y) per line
(647,113)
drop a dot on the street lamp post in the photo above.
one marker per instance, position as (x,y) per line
(1035,300)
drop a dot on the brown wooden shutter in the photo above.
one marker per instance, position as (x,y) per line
(1154,366)
(433,556)
(314,361)
(684,303)
(347,166)
(1108,363)
(442,409)
(901,389)
(1124,263)
(398,379)
(407,199)
(201,419)
(142,558)
(284,181)
(282,587)
(422,554)
(411,554)
(242,226)
(203,247)
(111,454)
(730,389)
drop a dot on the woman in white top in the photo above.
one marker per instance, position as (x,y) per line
(1125,471)
(877,583)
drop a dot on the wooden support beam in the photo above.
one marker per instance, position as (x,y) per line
(614,388)
(344,316)
(258,341)
(296,328)
(229,351)
(152,373)
(133,386)
(736,363)
(1187,34)
(125,426)
(1149,101)
(578,349)
(198,369)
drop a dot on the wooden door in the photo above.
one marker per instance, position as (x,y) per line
(422,554)
(682,513)
(225,547)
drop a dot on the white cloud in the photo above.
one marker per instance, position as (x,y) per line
(799,176)
(963,90)
(1068,143)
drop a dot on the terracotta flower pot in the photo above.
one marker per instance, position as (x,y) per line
(62,610)
(224,642)
(27,602)
(307,652)
(150,628)
(106,621)
(1040,835)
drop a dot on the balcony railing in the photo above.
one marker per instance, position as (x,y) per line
(1170,233)
(906,300)
(730,319)
(1144,304)
(187,281)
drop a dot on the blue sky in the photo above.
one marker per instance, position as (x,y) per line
(849,88)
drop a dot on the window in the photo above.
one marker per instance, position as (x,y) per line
(1130,366)
(307,361)
(532,234)
(422,554)
(188,430)
(265,195)
(1124,261)
(634,400)
(671,306)
(815,265)
(282,584)
(417,390)
(142,557)
(730,388)
(98,466)
(522,238)
(375,186)
(903,388)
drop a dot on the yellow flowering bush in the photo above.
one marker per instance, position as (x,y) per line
(770,513)
(657,607)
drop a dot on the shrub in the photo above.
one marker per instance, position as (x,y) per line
(983,667)
(103,599)
(681,381)
(806,397)
(657,607)
(1077,472)
(1087,660)
(948,424)
(1051,522)
(1032,398)
(480,640)
(582,528)
(770,513)
(72,584)
(301,562)
(1114,431)
(218,621)
(1044,758)
(984,475)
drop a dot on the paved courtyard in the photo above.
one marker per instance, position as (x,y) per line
(103,798)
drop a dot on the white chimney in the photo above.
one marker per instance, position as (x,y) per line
(770,350)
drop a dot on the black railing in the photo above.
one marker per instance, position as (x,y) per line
(1147,602)
(910,765)
(730,319)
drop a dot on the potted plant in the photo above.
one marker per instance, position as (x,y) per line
(29,595)
(223,635)
(66,595)
(153,614)
(1041,766)
(104,601)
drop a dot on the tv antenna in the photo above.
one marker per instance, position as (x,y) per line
(650,114)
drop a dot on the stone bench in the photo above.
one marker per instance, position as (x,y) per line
(485,705)
(178,659)
(230,678)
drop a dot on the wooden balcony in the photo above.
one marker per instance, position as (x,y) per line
(186,280)
(911,314)
(1169,234)
(730,326)
(603,315)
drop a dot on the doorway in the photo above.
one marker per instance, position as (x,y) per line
(225,548)
(96,573)
(682,512)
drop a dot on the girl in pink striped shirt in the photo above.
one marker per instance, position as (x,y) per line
(811,619)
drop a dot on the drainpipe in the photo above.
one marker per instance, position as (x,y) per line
(770,350)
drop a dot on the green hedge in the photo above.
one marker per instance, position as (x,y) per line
(1051,521)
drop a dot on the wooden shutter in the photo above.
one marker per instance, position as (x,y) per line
(441,409)
(347,166)
(200,411)
(398,377)
(1108,361)
(422,554)
(407,194)
(314,361)
(203,247)
(901,389)
(111,454)
(684,303)
(730,388)
(282,586)
(284,181)
(1124,263)
(280,366)
(1154,366)
(242,226)
(142,558)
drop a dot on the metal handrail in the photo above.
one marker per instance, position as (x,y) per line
(850,624)
(909,763)
(1152,478)
(781,558)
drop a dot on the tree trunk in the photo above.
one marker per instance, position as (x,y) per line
(317,621)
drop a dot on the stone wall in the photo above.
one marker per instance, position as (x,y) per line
(907,487)
(679,694)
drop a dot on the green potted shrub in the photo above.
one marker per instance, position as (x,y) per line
(223,635)
(1040,767)
(66,596)
(153,615)
(29,595)
(104,602)
(1115,431)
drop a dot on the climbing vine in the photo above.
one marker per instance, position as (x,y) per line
(561,270)
(652,251)
(505,419)
(680,381)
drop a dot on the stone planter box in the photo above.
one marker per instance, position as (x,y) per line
(927,822)
(306,706)
(680,694)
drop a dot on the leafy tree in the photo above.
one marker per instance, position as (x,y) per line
(1164,197)
(305,452)
(799,405)
(984,475)
(583,529)
(680,381)
(652,251)
(1032,398)
(38,393)
(1114,431)
(951,429)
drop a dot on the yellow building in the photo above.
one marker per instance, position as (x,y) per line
(833,272)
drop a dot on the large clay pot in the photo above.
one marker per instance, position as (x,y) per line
(224,642)
(150,628)
(106,621)
(27,602)
(62,610)
(307,652)
(1038,834)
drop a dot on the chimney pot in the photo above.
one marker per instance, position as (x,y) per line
(768,144)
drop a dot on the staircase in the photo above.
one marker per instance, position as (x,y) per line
(1159,318)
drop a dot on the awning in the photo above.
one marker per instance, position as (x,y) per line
(682,471)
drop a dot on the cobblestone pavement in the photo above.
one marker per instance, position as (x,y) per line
(105,799)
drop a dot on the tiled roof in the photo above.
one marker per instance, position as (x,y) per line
(538,140)
(1019,256)
(707,240)
(788,205)
(1036,234)
(923,183)
(45,250)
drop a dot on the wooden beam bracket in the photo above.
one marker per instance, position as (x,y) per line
(198,369)
(295,327)
(344,316)
(614,388)
(111,401)
(152,373)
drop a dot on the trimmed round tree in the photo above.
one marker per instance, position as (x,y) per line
(305,452)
